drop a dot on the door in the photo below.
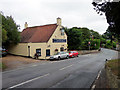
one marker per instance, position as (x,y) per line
(47,52)
(28,51)
(62,49)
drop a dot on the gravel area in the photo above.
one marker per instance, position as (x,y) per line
(13,62)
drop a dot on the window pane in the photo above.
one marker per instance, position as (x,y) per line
(38,51)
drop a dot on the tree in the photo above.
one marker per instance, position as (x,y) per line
(112,13)
(78,38)
(73,38)
(85,33)
(95,35)
(10,30)
(4,35)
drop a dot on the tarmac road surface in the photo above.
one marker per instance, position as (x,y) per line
(78,72)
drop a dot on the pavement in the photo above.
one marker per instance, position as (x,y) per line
(79,72)
(101,81)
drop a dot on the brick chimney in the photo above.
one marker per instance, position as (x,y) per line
(26,25)
(59,21)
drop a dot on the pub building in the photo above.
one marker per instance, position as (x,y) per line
(43,40)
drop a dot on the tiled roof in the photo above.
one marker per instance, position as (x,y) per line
(38,33)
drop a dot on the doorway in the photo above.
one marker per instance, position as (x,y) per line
(62,49)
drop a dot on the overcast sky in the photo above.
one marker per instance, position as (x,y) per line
(74,13)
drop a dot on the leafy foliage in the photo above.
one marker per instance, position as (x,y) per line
(4,35)
(10,31)
(78,38)
(110,45)
(73,38)
(112,13)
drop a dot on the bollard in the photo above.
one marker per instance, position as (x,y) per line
(106,60)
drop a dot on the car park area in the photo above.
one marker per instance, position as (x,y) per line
(13,62)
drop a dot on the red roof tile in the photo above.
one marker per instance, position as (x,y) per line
(38,33)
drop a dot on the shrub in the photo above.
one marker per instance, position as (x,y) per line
(110,45)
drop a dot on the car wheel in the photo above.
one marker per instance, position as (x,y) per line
(59,58)
(73,56)
(51,59)
(77,55)
(67,57)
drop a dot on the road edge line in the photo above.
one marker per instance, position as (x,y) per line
(97,77)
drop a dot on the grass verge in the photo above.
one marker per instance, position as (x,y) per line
(114,65)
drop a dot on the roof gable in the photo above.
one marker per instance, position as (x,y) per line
(38,34)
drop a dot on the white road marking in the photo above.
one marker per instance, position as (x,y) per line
(28,81)
(98,74)
(93,87)
(66,67)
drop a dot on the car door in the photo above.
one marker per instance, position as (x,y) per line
(65,54)
(62,55)
(75,54)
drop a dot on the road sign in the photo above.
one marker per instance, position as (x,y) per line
(95,44)
(89,42)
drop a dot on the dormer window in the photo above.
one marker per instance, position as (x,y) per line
(62,31)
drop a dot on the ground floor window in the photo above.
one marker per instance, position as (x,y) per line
(62,49)
(47,52)
(38,52)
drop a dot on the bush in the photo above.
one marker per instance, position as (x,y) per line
(114,44)
(95,44)
(110,45)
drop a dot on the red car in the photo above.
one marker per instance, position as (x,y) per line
(73,54)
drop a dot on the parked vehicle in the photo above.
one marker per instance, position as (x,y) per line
(3,52)
(60,55)
(73,54)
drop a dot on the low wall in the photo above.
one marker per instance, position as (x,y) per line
(113,80)
(87,51)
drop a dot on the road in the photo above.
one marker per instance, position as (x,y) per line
(79,72)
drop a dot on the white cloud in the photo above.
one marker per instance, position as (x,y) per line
(77,13)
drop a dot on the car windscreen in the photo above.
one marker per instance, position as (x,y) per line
(71,52)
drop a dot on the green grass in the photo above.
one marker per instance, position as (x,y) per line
(2,66)
(114,65)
